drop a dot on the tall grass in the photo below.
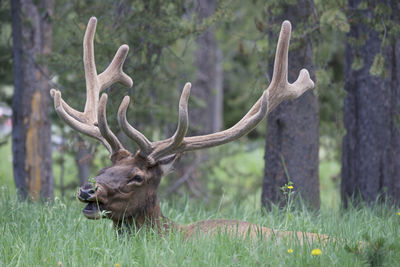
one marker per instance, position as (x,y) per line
(46,234)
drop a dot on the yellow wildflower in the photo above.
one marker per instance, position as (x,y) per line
(290,250)
(116,265)
(290,187)
(59,264)
(316,252)
(398,213)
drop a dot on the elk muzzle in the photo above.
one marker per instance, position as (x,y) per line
(87,194)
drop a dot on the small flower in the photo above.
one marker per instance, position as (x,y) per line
(59,264)
(290,250)
(316,252)
(398,213)
(116,265)
(290,187)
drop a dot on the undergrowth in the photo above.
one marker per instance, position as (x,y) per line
(57,234)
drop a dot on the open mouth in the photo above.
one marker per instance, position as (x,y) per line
(93,210)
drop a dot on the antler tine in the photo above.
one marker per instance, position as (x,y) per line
(76,124)
(144,144)
(92,84)
(280,89)
(103,125)
(87,121)
(114,73)
(155,150)
(66,108)
(181,130)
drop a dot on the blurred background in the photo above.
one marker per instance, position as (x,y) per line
(337,142)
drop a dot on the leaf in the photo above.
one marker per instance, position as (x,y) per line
(336,19)
(322,77)
(378,66)
(358,63)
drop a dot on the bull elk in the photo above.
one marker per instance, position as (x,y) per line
(127,190)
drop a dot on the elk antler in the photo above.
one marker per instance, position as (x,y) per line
(92,121)
(279,90)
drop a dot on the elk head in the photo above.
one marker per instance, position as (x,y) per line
(128,188)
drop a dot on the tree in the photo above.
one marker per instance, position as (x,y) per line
(371,146)
(206,116)
(291,149)
(31,145)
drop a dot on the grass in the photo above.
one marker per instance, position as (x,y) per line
(44,234)
(6,173)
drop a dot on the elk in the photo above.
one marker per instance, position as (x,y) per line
(126,191)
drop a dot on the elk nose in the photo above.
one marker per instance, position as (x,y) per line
(86,192)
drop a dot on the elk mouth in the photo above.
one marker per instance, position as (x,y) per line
(93,210)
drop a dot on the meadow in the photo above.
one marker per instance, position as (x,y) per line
(57,234)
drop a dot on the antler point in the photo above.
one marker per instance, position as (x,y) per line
(53,92)
(103,96)
(130,82)
(287,24)
(126,99)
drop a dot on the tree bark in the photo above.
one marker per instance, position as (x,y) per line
(205,114)
(293,128)
(371,146)
(206,108)
(31,136)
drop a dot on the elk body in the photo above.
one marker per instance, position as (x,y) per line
(127,190)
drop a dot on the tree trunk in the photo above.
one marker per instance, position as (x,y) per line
(206,108)
(371,147)
(205,114)
(31,137)
(292,129)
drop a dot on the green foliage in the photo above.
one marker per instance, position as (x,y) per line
(234,173)
(245,50)
(43,234)
(336,19)
(329,182)
(6,74)
(358,63)
(378,66)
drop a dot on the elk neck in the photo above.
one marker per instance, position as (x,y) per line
(149,216)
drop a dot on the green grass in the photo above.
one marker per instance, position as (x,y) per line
(6,173)
(43,234)
(34,234)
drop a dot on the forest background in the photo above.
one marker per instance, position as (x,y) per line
(346,129)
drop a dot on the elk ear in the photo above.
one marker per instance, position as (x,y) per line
(167,163)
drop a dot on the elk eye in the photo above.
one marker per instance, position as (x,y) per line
(136,179)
